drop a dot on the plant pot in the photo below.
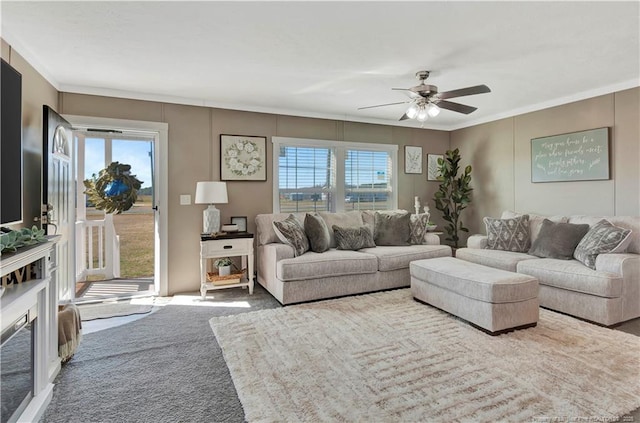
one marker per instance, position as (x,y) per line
(224,270)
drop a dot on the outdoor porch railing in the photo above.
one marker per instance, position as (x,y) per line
(97,249)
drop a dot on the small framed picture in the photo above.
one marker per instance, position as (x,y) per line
(433,170)
(241,221)
(412,159)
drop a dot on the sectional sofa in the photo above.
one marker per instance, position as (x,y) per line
(334,273)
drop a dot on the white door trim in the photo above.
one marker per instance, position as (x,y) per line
(162,160)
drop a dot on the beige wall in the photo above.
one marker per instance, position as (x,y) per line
(500,154)
(36,92)
(194,155)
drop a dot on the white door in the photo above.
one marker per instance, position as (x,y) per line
(58,212)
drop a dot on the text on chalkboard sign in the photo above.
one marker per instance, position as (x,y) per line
(578,156)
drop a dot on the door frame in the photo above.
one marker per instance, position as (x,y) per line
(162,165)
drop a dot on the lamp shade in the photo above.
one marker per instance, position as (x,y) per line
(211,193)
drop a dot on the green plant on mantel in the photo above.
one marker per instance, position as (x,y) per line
(453,195)
(17,238)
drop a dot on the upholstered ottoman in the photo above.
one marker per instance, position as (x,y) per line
(492,299)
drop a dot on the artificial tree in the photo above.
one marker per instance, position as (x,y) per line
(454,194)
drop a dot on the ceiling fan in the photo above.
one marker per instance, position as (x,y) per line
(427,101)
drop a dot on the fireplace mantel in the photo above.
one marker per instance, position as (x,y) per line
(37,296)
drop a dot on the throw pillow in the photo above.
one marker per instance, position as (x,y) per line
(535,221)
(558,240)
(418,228)
(392,228)
(291,232)
(317,232)
(353,238)
(602,238)
(508,234)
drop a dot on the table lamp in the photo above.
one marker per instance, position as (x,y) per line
(211,193)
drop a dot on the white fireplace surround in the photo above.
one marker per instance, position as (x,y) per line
(38,296)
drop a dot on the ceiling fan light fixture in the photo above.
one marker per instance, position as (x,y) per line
(412,111)
(433,110)
(422,114)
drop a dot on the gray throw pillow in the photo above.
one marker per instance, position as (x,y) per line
(317,232)
(508,234)
(418,228)
(602,238)
(291,232)
(392,228)
(558,240)
(353,238)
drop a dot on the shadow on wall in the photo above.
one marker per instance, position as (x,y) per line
(483,188)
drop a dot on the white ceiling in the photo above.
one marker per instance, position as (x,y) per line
(326,59)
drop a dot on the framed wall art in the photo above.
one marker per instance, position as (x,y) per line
(412,159)
(433,170)
(578,156)
(243,158)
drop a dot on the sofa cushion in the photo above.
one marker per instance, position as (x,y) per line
(573,276)
(353,238)
(264,226)
(352,219)
(535,221)
(392,228)
(399,257)
(291,232)
(626,222)
(602,238)
(328,264)
(508,234)
(317,232)
(558,240)
(505,260)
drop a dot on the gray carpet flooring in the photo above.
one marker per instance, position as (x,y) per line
(165,367)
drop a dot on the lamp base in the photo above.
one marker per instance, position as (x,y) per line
(211,220)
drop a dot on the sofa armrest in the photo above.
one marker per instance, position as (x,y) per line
(268,257)
(619,264)
(477,241)
(430,239)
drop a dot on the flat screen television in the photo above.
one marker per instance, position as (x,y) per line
(10,145)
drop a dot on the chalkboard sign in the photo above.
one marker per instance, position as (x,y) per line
(579,156)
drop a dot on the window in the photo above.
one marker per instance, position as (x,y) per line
(315,175)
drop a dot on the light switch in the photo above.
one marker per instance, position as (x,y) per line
(185,199)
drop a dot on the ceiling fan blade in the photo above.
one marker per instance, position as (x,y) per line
(382,105)
(456,107)
(478,89)
(404,117)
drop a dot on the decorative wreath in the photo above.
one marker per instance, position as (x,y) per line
(114,190)
(243,158)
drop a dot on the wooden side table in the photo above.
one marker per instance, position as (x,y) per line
(230,244)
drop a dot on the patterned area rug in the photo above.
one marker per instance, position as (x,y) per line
(385,357)
(112,309)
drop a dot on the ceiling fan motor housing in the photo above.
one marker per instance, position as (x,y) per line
(425,90)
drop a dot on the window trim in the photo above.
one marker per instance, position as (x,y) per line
(340,148)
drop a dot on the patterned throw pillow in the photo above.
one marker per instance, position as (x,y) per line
(602,238)
(508,234)
(291,232)
(353,238)
(418,225)
(317,232)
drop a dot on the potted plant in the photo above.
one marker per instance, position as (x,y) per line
(224,266)
(453,195)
